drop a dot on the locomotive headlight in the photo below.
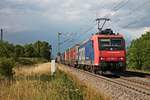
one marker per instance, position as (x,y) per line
(102,58)
(121,58)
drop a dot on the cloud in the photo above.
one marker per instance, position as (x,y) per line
(146,29)
(51,16)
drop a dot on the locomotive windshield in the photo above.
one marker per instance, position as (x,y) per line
(111,44)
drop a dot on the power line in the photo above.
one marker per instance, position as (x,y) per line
(115,7)
(136,8)
(120,5)
(135,22)
(80,30)
(133,11)
(72,40)
(89,29)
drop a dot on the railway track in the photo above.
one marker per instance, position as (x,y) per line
(133,85)
(140,74)
(138,86)
(145,84)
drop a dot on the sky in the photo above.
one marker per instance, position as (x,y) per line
(26,21)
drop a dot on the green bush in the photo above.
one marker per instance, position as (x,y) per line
(6,67)
(39,60)
(30,61)
(23,61)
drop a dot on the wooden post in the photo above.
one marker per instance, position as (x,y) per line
(53,67)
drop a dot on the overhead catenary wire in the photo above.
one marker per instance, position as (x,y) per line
(115,8)
(135,22)
(80,31)
(76,40)
(94,20)
(132,11)
(120,5)
(139,7)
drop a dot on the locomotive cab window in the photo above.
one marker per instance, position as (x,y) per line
(111,44)
(116,42)
(105,42)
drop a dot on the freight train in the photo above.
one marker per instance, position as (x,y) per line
(102,52)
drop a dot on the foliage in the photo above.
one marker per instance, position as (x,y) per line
(6,49)
(30,51)
(27,54)
(6,67)
(138,56)
(42,49)
(30,61)
(39,49)
(19,51)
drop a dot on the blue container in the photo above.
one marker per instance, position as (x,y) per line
(86,53)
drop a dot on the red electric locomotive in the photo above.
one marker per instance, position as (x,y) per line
(104,51)
(110,53)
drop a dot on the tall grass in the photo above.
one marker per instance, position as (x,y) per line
(35,83)
(89,92)
(39,86)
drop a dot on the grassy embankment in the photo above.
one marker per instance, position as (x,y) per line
(135,70)
(90,92)
(35,83)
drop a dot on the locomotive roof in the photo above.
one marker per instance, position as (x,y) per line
(108,36)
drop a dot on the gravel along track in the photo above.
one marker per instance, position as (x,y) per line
(117,89)
(145,85)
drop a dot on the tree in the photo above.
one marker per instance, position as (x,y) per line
(19,51)
(39,49)
(138,56)
(6,49)
(37,46)
(43,49)
(30,51)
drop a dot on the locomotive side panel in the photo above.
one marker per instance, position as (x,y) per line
(86,53)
